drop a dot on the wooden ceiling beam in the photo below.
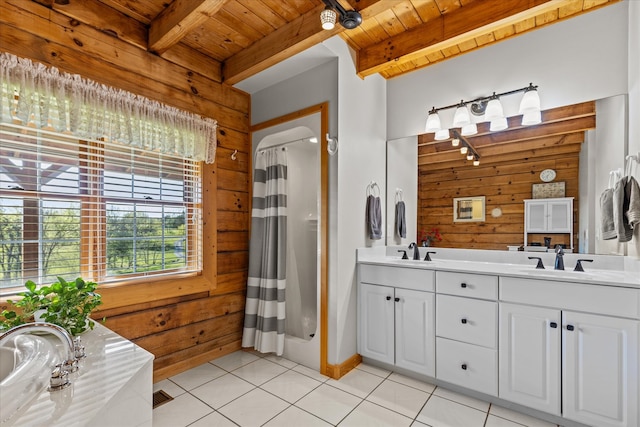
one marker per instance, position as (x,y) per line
(466,22)
(290,39)
(177,20)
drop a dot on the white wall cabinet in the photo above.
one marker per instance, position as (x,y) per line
(550,216)
(396,325)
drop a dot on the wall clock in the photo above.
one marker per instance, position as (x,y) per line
(548,175)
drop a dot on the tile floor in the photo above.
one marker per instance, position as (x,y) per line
(246,389)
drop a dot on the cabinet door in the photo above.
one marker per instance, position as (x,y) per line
(559,216)
(536,217)
(529,356)
(600,370)
(415,332)
(375,322)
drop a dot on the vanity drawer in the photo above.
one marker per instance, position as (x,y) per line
(467,284)
(467,365)
(468,320)
(399,277)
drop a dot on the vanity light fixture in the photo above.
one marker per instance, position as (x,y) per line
(349,19)
(442,134)
(491,108)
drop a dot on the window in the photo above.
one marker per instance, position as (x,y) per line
(99,210)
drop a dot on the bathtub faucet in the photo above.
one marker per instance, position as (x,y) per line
(59,376)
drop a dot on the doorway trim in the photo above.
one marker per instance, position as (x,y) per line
(323,109)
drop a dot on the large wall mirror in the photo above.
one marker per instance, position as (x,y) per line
(512,160)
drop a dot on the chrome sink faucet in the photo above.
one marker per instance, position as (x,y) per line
(559,265)
(59,376)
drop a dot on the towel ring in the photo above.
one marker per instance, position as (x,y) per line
(371,189)
(399,195)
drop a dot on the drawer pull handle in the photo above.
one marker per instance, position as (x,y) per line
(388,298)
(464,321)
(570,328)
(463,285)
(396,299)
(553,324)
(464,366)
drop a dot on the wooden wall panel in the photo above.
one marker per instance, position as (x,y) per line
(184,321)
(511,162)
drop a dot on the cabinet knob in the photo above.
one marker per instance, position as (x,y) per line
(570,328)
(396,299)
(463,285)
(553,324)
(464,366)
(388,298)
(464,321)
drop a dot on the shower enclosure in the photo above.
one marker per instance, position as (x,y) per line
(300,139)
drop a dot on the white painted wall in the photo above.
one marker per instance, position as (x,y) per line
(361,159)
(577,60)
(357,116)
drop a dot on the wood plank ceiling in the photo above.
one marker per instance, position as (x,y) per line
(230,40)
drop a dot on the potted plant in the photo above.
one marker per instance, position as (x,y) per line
(428,238)
(66,304)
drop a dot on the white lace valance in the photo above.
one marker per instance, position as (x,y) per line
(38,96)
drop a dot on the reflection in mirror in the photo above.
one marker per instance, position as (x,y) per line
(567,141)
(468,209)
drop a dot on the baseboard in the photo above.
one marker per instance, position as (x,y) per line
(192,362)
(338,371)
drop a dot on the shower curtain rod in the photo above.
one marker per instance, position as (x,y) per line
(286,143)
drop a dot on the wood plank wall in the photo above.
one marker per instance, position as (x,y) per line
(511,162)
(190,320)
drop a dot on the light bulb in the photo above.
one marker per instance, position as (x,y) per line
(470,129)
(498,124)
(433,122)
(441,135)
(461,117)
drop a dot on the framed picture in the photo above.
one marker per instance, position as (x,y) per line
(469,209)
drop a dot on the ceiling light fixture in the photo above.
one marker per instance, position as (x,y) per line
(466,148)
(349,19)
(491,108)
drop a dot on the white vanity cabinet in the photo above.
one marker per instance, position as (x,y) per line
(571,350)
(548,216)
(466,330)
(396,317)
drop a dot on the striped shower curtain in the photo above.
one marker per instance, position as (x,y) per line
(265,307)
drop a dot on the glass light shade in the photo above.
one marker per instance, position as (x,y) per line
(470,129)
(328,18)
(476,162)
(531,118)
(441,134)
(461,117)
(469,156)
(498,124)
(463,149)
(433,123)
(494,110)
(455,142)
(530,101)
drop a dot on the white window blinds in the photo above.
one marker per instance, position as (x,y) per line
(99,210)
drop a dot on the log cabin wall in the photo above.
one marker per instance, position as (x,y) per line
(187,321)
(510,163)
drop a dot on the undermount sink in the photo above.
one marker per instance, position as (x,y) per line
(26,362)
(570,274)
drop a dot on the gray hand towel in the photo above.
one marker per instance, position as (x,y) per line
(606,208)
(374,217)
(632,193)
(621,201)
(401,220)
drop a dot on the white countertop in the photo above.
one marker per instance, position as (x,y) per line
(604,270)
(113,384)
